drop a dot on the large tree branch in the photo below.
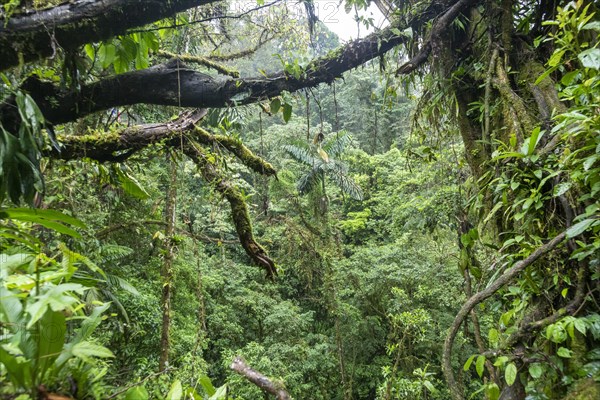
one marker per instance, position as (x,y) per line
(505,278)
(37,34)
(239,209)
(239,365)
(120,145)
(174,84)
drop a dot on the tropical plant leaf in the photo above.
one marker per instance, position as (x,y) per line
(336,145)
(301,154)
(309,181)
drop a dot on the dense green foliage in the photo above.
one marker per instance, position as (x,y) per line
(385,220)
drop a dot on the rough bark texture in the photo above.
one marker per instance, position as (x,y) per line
(37,34)
(264,383)
(119,145)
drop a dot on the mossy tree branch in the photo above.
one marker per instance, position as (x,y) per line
(204,61)
(174,84)
(30,36)
(120,145)
(239,210)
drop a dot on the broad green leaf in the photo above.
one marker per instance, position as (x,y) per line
(492,391)
(87,350)
(430,386)
(220,394)
(479,364)
(33,213)
(510,374)
(500,361)
(10,307)
(207,385)
(536,370)
(556,57)
(58,298)
(580,325)
(533,140)
(176,391)
(561,188)
(287,112)
(53,329)
(590,58)
(564,352)
(106,54)
(595,25)
(468,363)
(89,50)
(131,185)
(275,105)
(18,368)
(137,393)
(579,228)
(493,337)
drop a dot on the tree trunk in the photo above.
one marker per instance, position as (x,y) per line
(167,269)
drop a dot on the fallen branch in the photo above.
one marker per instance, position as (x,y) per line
(239,366)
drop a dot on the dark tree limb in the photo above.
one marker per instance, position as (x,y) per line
(174,84)
(37,34)
(439,28)
(239,366)
(505,278)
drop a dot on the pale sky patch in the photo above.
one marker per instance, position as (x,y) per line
(344,25)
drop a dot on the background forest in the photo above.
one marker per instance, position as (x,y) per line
(227,189)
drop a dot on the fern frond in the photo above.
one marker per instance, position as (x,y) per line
(301,154)
(309,181)
(337,143)
(346,184)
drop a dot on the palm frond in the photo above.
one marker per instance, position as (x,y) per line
(113,252)
(120,283)
(335,145)
(336,167)
(310,181)
(301,154)
(346,184)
